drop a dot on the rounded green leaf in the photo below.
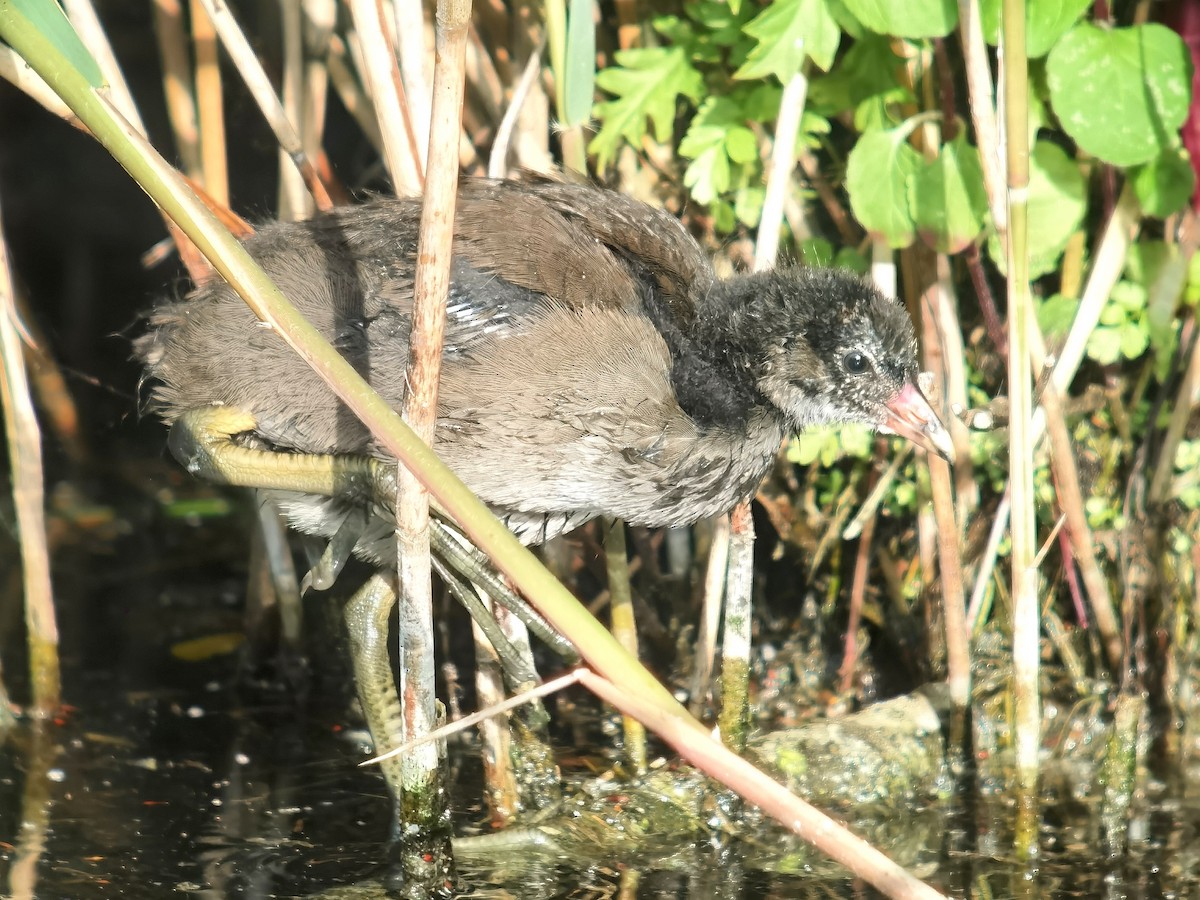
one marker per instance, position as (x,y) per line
(877,175)
(1045,22)
(948,199)
(1121,93)
(1164,185)
(906,18)
(741,145)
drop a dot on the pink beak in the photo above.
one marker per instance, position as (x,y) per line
(910,416)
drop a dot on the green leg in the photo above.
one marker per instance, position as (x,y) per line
(202,441)
(367,616)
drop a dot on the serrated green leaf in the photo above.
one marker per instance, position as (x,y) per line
(948,199)
(1135,340)
(741,145)
(1104,345)
(759,102)
(1057,202)
(877,174)
(707,176)
(870,68)
(1129,297)
(722,21)
(1121,93)
(1164,185)
(647,83)
(48,18)
(716,138)
(1045,22)
(787,31)
(906,18)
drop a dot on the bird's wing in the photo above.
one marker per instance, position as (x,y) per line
(579,245)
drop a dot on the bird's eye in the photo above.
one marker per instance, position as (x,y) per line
(855,362)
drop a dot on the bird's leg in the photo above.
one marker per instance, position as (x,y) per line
(323,573)
(518,673)
(202,440)
(367,616)
(420,863)
(466,559)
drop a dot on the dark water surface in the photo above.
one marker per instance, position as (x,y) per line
(207,778)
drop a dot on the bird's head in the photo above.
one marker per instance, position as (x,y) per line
(826,348)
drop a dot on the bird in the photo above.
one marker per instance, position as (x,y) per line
(594,364)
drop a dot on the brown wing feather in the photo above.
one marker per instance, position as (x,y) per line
(582,246)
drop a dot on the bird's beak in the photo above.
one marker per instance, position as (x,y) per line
(910,416)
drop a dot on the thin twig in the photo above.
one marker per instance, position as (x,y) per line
(294,202)
(259,85)
(1070,498)
(983,110)
(498,160)
(431,285)
(28,489)
(350,92)
(382,77)
(177,83)
(210,105)
(408,37)
(779,170)
(1025,629)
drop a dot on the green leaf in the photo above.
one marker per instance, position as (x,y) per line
(1045,22)
(877,175)
(845,19)
(647,83)
(580,75)
(787,31)
(816,252)
(1104,346)
(1055,315)
(1121,93)
(759,102)
(850,258)
(947,197)
(1164,185)
(48,18)
(724,218)
(1146,260)
(748,205)
(716,137)
(741,145)
(721,21)
(876,114)
(1057,202)
(868,69)
(906,18)
(1135,339)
